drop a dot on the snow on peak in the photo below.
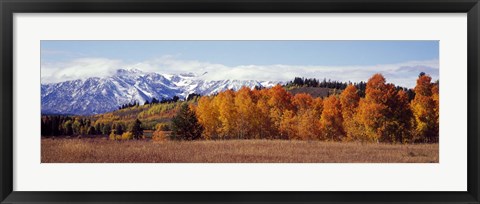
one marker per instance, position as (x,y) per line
(98,95)
(190,74)
(129,71)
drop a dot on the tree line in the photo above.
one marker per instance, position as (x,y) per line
(333,84)
(58,125)
(154,100)
(384,114)
(147,102)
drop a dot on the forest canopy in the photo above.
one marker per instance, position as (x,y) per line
(375,111)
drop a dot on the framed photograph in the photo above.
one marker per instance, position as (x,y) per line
(239,101)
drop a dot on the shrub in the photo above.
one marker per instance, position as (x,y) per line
(127,136)
(163,127)
(159,135)
(112,136)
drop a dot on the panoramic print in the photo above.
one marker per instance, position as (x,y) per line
(239,101)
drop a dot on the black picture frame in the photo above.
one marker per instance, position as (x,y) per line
(9,7)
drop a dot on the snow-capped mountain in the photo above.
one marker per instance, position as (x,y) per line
(98,95)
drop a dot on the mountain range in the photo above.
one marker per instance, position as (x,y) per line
(96,95)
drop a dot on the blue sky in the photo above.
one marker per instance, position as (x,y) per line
(234,53)
(66,60)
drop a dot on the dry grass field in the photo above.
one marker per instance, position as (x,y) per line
(101,150)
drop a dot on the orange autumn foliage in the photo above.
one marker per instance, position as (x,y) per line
(246,114)
(372,108)
(208,115)
(289,124)
(424,110)
(159,134)
(227,112)
(331,122)
(436,99)
(279,101)
(349,100)
(265,129)
(302,101)
(385,114)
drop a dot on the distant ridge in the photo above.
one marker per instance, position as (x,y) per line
(96,95)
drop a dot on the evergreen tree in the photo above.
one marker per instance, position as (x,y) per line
(175,98)
(106,129)
(43,130)
(185,124)
(136,129)
(98,128)
(192,96)
(91,131)
(118,129)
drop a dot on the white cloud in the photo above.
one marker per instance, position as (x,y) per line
(403,74)
(78,69)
